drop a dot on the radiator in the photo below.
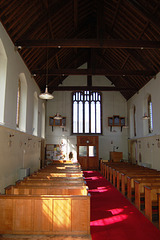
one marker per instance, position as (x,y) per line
(23,172)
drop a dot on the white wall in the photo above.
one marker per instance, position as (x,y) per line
(15,67)
(113,103)
(152,88)
(148,144)
(17,150)
(21,149)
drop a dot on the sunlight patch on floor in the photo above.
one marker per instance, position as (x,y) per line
(109,221)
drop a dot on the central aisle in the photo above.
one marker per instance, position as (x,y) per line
(113,217)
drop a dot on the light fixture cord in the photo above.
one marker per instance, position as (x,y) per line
(47,68)
(47,45)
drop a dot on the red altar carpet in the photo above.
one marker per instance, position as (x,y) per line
(113,217)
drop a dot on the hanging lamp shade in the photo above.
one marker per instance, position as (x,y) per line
(46,95)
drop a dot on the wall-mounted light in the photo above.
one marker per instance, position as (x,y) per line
(11,135)
(145,117)
(57,116)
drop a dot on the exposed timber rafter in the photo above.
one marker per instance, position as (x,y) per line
(93,88)
(90,72)
(89,43)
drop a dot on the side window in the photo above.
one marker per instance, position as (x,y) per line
(21,103)
(3,71)
(35,115)
(18,103)
(150,114)
(134,120)
(43,121)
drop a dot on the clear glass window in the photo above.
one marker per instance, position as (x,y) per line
(150,113)
(92,151)
(83,151)
(87,112)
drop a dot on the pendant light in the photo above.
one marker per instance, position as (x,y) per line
(46,95)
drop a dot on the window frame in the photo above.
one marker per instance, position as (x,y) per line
(134,121)
(101,126)
(150,114)
(18,103)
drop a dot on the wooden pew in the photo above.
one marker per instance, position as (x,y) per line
(158,196)
(131,183)
(54,177)
(55,174)
(60,168)
(151,199)
(139,188)
(102,168)
(132,174)
(68,215)
(116,168)
(47,190)
(117,173)
(53,182)
(55,170)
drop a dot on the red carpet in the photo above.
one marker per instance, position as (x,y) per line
(113,217)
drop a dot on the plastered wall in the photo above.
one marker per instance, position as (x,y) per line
(145,146)
(17,150)
(113,103)
(146,151)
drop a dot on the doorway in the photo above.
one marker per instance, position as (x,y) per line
(134,152)
(88,152)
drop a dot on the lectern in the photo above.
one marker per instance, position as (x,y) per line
(116,156)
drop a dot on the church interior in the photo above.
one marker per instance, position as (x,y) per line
(79,93)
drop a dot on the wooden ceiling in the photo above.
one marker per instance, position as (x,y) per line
(119,39)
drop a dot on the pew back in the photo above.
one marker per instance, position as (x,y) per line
(44,214)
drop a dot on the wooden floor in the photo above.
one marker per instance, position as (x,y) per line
(40,237)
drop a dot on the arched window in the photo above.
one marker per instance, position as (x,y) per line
(3,71)
(21,103)
(150,120)
(18,103)
(43,121)
(134,120)
(86,108)
(35,115)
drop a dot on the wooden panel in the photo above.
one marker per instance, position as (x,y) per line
(23,212)
(42,215)
(6,208)
(62,214)
(116,156)
(80,215)
(84,162)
